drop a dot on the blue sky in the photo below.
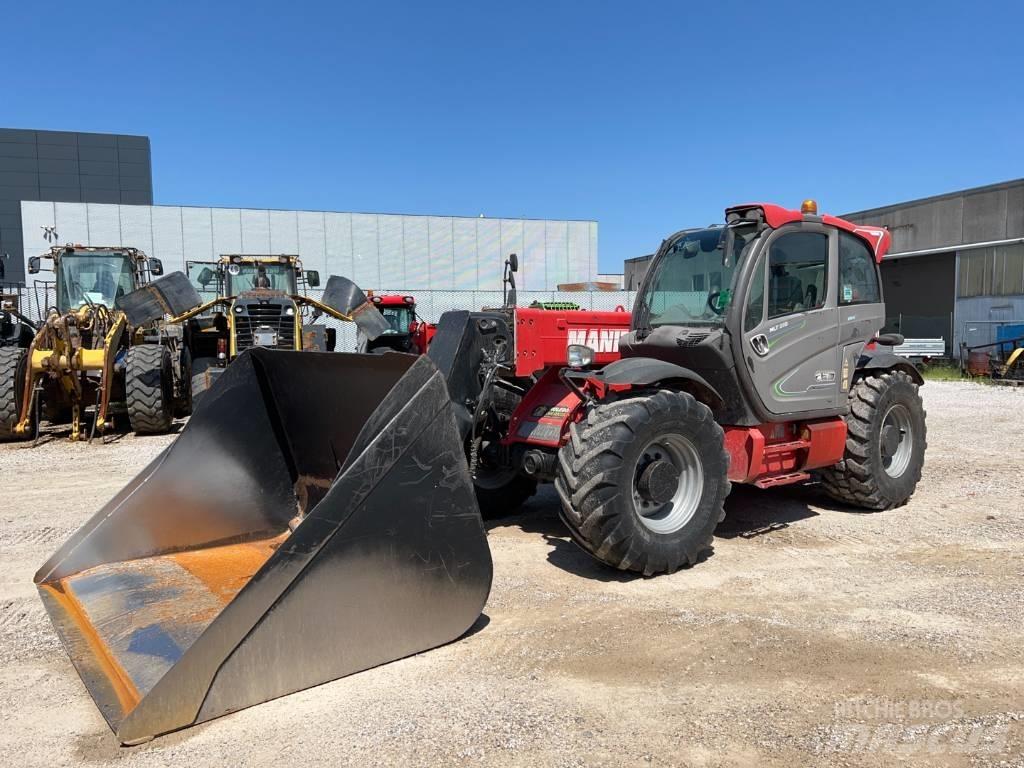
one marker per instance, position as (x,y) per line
(645,116)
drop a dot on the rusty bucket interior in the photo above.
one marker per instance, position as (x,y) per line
(313,519)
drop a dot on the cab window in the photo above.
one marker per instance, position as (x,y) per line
(858,277)
(754,312)
(797,269)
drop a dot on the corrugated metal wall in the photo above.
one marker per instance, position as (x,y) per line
(376,250)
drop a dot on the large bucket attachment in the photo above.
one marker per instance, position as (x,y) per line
(172,294)
(315,518)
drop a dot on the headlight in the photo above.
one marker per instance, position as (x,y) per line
(579,355)
(289,311)
(239,309)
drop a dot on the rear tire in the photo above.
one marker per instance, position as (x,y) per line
(885,444)
(606,474)
(12,386)
(149,389)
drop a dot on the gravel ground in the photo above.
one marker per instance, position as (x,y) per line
(813,635)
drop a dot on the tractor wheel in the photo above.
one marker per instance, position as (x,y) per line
(12,386)
(885,444)
(643,481)
(149,386)
(201,379)
(501,492)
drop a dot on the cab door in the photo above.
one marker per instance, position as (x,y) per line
(791,322)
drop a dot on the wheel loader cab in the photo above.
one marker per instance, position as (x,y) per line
(772,310)
(93,277)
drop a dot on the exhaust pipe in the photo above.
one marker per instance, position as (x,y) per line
(189,596)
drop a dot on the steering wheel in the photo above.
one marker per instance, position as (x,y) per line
(713,302)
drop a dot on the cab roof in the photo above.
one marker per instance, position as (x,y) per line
(775,216)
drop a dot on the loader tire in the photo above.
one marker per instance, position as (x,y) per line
(200,379)
(499,496)
(643,481)
(885,444)
(149,388)
(12,384)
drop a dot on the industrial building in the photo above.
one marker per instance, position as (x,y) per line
(65,167)
(955,270)
(97,189)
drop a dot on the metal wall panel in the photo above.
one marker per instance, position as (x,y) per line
(227,231)
(391,256)
(491,259)
(284,233)
(104,224)
(442,257)
(255,231)
(137,227)
(464,251)
(512,242)
(167,241)
(338,234)
(197,234)
(416,252)
(556,245)
(578,251)
(365,263)
(532,261)
(312,242)
(35,218)
(72,222)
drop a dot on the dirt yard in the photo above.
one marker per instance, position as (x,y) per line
(812,635)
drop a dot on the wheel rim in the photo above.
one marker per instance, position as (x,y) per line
(897,440)
(669,516)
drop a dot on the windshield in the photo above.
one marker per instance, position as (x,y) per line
(398,318)
(693,279)
(97,278)
(250,277)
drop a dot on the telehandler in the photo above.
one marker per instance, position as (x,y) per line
(339,530)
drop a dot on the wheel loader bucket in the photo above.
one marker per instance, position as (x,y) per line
(172,294)
(315,518)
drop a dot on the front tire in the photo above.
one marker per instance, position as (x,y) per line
(12,386)
(149,389)
(885,444)
(501,492)
(643,482)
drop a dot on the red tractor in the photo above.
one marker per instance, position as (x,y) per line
(406,331)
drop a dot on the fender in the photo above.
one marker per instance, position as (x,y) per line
(644,371)
(887,361)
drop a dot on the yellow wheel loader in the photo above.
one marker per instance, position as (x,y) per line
(260,301)
(86,353)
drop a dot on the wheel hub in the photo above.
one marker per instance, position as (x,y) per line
(890,440)
(658,482)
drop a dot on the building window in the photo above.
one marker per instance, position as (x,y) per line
(798,263)
(858,277)
(995,271)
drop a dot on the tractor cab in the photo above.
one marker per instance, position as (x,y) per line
(400,314)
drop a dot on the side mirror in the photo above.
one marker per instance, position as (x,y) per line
(33,265)
(156,267)
(513,262)
(205,276)
(313,278)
